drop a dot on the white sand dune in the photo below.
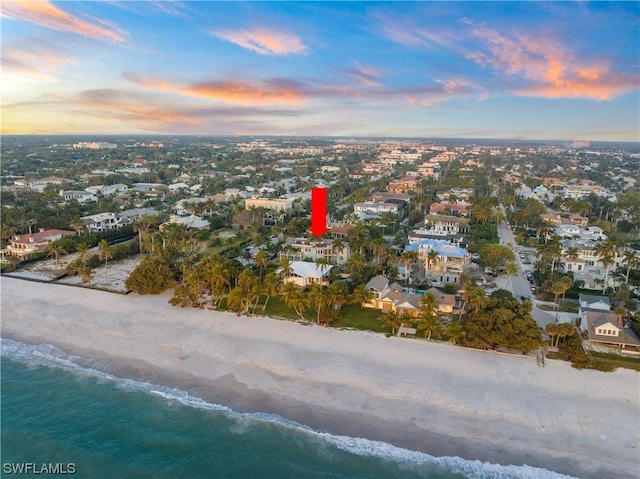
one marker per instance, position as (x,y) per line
(436,398)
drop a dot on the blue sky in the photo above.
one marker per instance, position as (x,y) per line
(435,69)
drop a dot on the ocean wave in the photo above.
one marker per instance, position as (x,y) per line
(50,356)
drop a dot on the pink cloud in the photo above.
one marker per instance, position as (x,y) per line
(238,92)
(405,32)
(552,70)
(264,41)
(366,75)
(35,59)
(45,14)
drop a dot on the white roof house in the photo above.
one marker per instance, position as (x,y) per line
(305,273)
(568,231)
(192,221)
(79,196)
(588,301)
(101,222)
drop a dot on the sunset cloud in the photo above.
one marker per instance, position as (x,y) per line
(535,65)
(48,15)
(117,110)
(552,70)
(406,32)
(237,92)
(264,41)
(34,59)
(365,75)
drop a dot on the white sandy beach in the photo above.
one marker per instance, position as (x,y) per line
(431,397)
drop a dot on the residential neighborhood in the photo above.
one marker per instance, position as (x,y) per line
(415,229)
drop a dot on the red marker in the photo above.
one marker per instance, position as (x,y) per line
(318,211)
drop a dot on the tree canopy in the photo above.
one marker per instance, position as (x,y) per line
(504,322)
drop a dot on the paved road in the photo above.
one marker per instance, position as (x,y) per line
(519,285)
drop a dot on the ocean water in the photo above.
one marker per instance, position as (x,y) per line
(55,412)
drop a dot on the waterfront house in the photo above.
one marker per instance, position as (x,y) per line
(26,245)
(304,273)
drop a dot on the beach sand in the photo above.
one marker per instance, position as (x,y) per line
(435,398)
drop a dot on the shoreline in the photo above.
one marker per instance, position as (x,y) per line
(434,398)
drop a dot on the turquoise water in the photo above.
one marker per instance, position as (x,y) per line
(417,292)
(54,411)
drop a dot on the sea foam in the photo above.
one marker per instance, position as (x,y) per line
(46,355)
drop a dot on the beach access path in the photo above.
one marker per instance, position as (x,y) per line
(436,398)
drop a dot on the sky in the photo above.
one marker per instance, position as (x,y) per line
(522,70)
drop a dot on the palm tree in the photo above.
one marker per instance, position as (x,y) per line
(564,330)
(55,250)
(392,320)
(361,295)
(572,252)
(298,302)
(261,261)
(621,311)
(356,262)
(455,332)
(567,283)
(86,273)
(337,246)
(83,251)
(285,268)
(139,227)
(293,297)
(453,200)
(545,228)
(557,289)
(247,280)
(408,257)
(358,236)
(429,304)
(316,297)
(552,331)
(237,299)
(379,249)
(335,295)
(607,252)
(430,324)
(631,261)
(270,287)
(481,212)
(496,215)
(552,251)
(105,254)
(432,259)
(79,225)
(476,299)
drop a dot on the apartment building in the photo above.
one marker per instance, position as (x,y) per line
(302,249)
(274,204)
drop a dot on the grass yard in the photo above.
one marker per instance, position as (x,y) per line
(616,361)
(277,308)
(352,316)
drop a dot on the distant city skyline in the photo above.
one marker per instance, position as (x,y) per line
(557,71)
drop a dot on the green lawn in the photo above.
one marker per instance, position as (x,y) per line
(352,316)
(616,361)
(603,359)
(276,307)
